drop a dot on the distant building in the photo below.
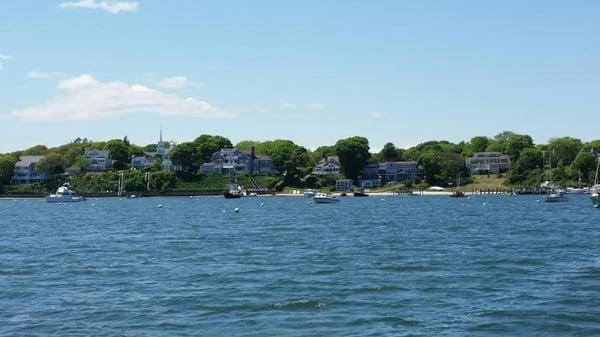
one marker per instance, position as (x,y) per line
(148,159)
(232,160)
(25,171)
(390,172)
(344,185)
(100,160)
(488,163)
(330,165)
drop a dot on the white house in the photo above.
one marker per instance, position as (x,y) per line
(330,165)
(488,163)
(25,171)
(237,161)
(344,185)
(100,160)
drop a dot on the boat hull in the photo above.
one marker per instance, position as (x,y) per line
(561,198)
(57,200)
(360,194)
(325,200)
(229,195)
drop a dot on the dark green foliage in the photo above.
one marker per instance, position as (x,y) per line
(119,151)
(353,154)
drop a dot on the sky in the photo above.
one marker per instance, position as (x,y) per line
(311,71)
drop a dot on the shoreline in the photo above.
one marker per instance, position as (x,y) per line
(284,195)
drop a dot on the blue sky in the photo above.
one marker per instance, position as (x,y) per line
(309,71)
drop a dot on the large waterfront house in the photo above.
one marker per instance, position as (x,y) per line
(147,159)
(330,165)
(344,185)
(231,160)
(376,174)
(488,163)
(100,160)
(25,171)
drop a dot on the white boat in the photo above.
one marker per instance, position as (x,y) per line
(64,194)
(309,193)
(322,198)
(556,196)
(595,197)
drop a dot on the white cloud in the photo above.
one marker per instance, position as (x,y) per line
(85,98)
(4,57)
(41,75)
(375,115)
(287,105)
(176,82)
(315,106)
(112,7)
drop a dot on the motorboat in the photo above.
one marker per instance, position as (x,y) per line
(233,191)
(556,195)
(360,193)
(322,198)
(573,190)
(309,193)
(64,194)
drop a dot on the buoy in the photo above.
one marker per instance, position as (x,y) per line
(262,204)
(159,206)
(224,211)
(93,204)
(191,197)
(236,209)
(381,199)
(484,204)
(537,201)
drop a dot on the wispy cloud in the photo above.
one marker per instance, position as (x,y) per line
(176,82)
(4,57)
(42,75)
(315,106)
(287,105)
(85,98)
(112,7)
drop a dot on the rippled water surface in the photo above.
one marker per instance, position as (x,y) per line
(403,266)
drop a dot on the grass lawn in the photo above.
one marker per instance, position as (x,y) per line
(484,182)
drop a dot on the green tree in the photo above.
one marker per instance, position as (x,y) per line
(430,163)
(81,162)
(353,154)
(162,181)
(530,163)
(389,152)
(516,143)
(479,144)
(38,150)
(564,149)
(585,162)
(185,154)
(119,152)
(206,145)
(246,145)
(7,164)
(287,156)
(51,164)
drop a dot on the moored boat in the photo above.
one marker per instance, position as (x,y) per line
(64,194)
(322,198)
(360,193)
(595,197)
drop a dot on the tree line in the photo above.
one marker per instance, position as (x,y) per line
(565,160)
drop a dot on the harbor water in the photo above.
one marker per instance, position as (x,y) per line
(391,266)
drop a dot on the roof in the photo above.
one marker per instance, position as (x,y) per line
(102,153)
(25,161)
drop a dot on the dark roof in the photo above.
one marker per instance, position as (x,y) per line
(25,161)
